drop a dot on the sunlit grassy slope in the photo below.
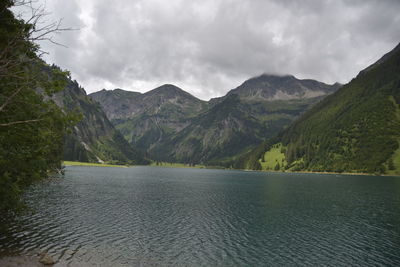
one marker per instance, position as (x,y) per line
(77,163)
(274,158)
(176,165)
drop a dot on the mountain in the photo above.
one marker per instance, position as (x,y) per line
(169,99)
(172,125)
(151,118)
(287,87)
(126,102)
(356,129)
(257,109)
(94,138)
(222,131)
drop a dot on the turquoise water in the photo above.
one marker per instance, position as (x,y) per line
(153,216)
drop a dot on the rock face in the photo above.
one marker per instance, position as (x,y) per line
(128,102)
(94,138)
(171,125)
(147,120)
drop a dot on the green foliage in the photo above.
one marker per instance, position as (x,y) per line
(393,164)
(251,159)
(78,163)
(176,165)
(31,124)
(277,166)
(356,129)
(274,159)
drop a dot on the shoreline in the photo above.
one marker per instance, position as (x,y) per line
(330,173)
(20,260)
(182,165)
(90,164)
(27,260)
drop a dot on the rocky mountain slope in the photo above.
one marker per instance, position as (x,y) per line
(172,125)
(257,109)
(149,119)
(356,129)
(94,138)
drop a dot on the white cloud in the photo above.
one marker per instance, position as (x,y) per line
(210,46)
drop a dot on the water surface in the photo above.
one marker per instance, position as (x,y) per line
(153,216)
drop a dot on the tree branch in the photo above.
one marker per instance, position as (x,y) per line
(18,122)
(10,98)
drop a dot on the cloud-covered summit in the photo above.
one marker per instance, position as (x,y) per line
(210,46)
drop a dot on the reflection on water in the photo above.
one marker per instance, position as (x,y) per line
(180,217)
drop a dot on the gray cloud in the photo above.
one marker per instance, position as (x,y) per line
(210,46)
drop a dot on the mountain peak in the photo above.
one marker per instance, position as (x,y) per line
(169,85)
(115,93)
(282,87)
(170,91)
(167,88)
(274,76)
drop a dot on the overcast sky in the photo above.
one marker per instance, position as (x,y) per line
(207,47)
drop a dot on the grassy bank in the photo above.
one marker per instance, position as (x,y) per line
(154,164)
(77,163)
(182,165)
(177,165)
(316,172)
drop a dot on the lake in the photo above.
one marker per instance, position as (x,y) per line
(154,216)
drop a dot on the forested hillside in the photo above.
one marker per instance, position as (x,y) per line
(356,129)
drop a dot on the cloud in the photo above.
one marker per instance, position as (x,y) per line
(210,46)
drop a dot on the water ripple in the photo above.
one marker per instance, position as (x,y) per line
(147,216)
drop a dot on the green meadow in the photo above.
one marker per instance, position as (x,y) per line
(77,163)
(274,159)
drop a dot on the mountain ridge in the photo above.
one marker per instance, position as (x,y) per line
(171,124)
(279,87)
(93,138)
